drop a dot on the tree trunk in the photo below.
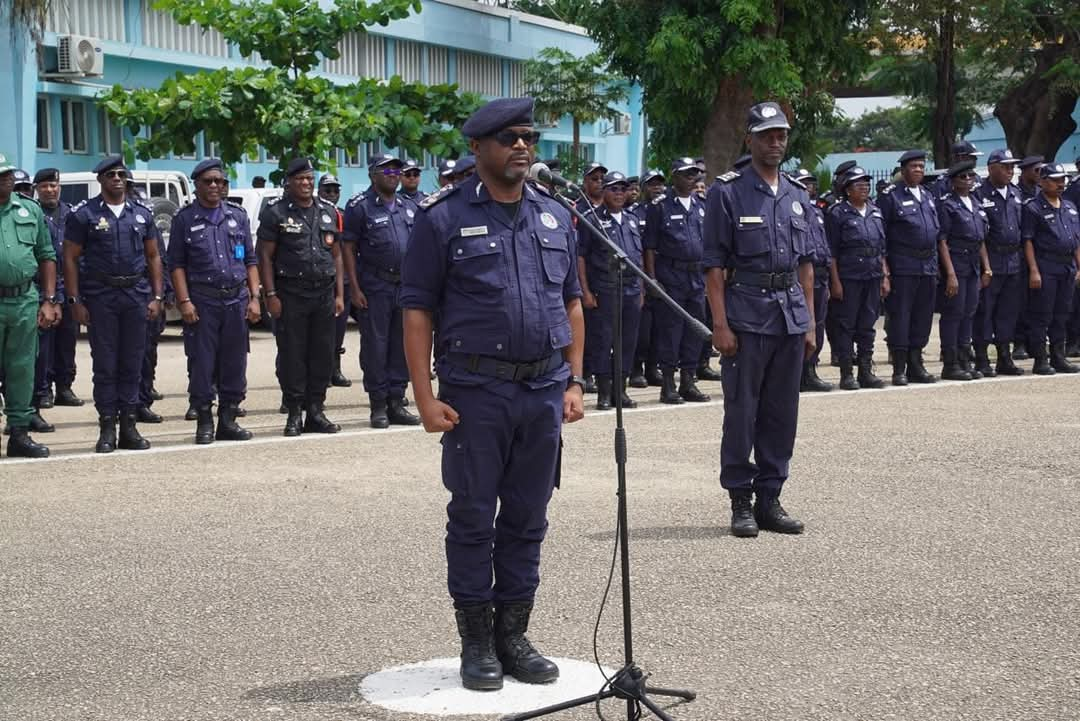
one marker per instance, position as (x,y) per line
(575,147)
(944,117)
(1037,121)
(725,128)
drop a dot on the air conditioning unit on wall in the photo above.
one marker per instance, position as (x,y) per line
(79,56)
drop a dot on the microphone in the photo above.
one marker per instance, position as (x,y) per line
(542,173)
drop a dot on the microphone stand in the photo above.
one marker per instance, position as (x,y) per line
(629,682)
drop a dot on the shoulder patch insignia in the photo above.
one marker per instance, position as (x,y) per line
(797,183)
(78,205)
(727,177)
(888,189)
(232,203)
(277,200)
(442,193)
(659,199)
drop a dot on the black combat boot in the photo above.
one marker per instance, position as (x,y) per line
(637,376)
(284,407)
(480,667)
(603,393)
(227,427)
(811,382)
(22,445)
(46,401)
(743,524)
(379,417)
(337,378)
(1020,351)
(39,424)
(771,516)
(294,424)
(516,654)
(1072,348)
(192,413)
(847,377)
(627,401)
(654,377)
(204,424)
(688,389)
(668,394)
(1042,365)
(398,415)
(916,369)
(129,437)
(982,361)
(706,372)
(953,370)
(867,379)
(1005,365)
(143,414)
(1059,361)
(66,397)
(317,422)
(590,383)
(899,360)
(966,356)
(106,442)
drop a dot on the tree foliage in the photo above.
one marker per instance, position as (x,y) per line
(283,108)
(881,129)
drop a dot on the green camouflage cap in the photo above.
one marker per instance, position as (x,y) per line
(6,166)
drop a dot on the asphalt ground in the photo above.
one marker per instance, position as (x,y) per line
(938,577)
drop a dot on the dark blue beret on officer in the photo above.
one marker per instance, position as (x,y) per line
(113,161)
(766,116)
(961,167)
(912,155)
(498,114)
(299,165)
(208,164)
(47,175)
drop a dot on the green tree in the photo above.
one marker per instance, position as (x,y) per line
(283,107)
(703,63)
(881,129)
(582,88)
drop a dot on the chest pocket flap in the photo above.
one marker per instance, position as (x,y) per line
(25,228)
(478,262)
(554,254)
(751,238)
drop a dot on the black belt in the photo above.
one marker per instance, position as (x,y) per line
(505,370)
(390,276)
(865,251)
(116,281)
(910,252)
(963,247)
(768,281)
(693,265)
(311,283)
(1015,248)
(215,292)
(1063,258)
(14,291)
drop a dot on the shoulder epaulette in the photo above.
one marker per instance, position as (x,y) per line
(659,199)
(359,197)
(727,177)
(797,183)
(233,203)
(888,189)
(541,188)
(27,197)
(442,193)
(80,204)
(277,200)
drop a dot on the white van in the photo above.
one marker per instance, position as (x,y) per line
(165,191)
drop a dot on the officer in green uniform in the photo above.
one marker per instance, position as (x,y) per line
(25,249)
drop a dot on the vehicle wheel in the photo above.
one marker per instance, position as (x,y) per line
(164,210)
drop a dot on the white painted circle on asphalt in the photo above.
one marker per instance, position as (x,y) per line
(433,688)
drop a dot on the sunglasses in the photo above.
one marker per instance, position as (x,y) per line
(411,173)
(331,190)
(391,172)
(509,138)
(115,174)
(214,181)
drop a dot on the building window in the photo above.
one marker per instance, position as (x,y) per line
(44,125)
(73,122)
(110,141)
(352,157)
(212,150)
(372,149)
(270,158)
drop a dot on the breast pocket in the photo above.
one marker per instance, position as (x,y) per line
(378,235)
(751,239)
(555,255)
(800,238)
(26,230)
(478,264)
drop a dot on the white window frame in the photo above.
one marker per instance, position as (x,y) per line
(44,123)
(67,107)
(105,135)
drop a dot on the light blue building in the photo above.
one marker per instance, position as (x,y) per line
(479,47)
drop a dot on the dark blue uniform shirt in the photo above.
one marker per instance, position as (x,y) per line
(600,272)
(111,246)
(499,288)
(857,241)
(1003,244)
(750,230)
(304,236)
(911,230)
(817,241)
(963,231)
(213,246)
(676,234)
(56,220)
(1054,232)
(381,234)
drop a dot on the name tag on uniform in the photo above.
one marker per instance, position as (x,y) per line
(988,204)
(198,227)
(677,217)
(907,202)
(1049,216)
(474,230)
(381,219)
(750,219)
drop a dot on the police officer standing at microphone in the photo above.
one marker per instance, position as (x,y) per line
(763,323)
(493,258)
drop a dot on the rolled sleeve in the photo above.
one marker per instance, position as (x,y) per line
(75,229)
(353,222)
(423,272)
(654,217)
(1029,222)
(177,250)
(944,221)
(716,230)
(43,247)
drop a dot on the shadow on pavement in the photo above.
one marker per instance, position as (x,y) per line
(339,689)
(667,533)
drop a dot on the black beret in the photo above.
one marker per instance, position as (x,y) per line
(113,161)
(498,114)
(1031,160)
(960,167)
(208,164)
(47,175)
(299,165)
(912,155)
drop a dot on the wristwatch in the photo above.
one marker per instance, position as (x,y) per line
(52,299)
(73,300)
(580,380)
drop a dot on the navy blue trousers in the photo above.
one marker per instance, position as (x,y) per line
(43,366)
(677,345)
(1049,308)
(382,347)
(855,316)
(154,329)
(1073,326)
(600,332)
(999,307)
(64,340)
(217,350)
(646,345)
(958,313)
(500,464)
(118,335)
(821,314)
(911,311)
(761,411)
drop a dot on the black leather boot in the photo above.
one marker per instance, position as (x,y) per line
(204,425)
(966,355)
(294,424)
(46,401)
(1072,348)
(867,379)
(743,524)
(688,389)
(397,414)
(480,667)
(1020,351)
(1005,365)
(379,417)
(39,424)
(706,372)
(129,437)
(654,377)
(192,413)
(22,445)
(66,397)
(899,360)
(590,383)
(952,369)
(811,382)
(515,652)
(143,414)
(982,361)
(603,393)
(106,442)
(317,422)
(284,407)
(637,376)
(847,377)
(156,395)
(668,394)
(1042,365)
(771,516)
(227,428)
(337,378)
(916,369)
(627,401)
(1059,360)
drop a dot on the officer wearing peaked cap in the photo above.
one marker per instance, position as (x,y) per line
(961,151)
(330,192)
(1028,181)
(493,259)
(410,182)
(1028,185)
(819,246)
(756,232)
(592,185)
(646,370)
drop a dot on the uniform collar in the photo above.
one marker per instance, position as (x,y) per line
(101,204)
(475,190)
(759,183)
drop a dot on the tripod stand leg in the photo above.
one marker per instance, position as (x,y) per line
(657,711)
(676,692)
(573,703)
